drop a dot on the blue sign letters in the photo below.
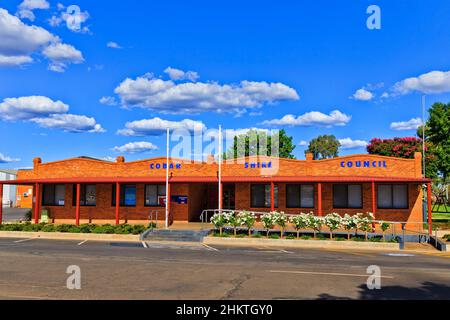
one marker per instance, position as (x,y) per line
(363,164)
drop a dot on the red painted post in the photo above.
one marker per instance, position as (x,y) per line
(117,202)
(272,196)
(430,214)
(37,203)
(77,210)
(170,217)
(319,199)
(374,206)
(1,203)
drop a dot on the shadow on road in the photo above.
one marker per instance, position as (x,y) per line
(428,290)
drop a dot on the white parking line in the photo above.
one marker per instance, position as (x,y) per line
(144,245)
(23,240)
(328,273)
(209,247)
(79,244)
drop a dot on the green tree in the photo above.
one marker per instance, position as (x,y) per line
(405,148)
(437,136)
(260,143)
(323,147)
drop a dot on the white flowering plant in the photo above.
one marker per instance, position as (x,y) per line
(248,219)
(349,223)
(233,220)
(268,222)
(333,222)
(315,223)
(365,222)
(300,222)
(219,220)
(280,220)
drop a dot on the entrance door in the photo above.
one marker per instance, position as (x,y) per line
(228,198)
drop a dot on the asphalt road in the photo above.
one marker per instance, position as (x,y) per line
(36,269)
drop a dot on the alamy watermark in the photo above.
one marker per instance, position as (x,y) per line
(73,282)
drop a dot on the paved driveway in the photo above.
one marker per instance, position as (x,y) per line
(14,214)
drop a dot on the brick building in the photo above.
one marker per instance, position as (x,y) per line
(391,188)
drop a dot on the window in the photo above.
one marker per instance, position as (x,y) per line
(260,196)
(154,194)
(53,194)
(347,196)
(392,196)
(127,195)
(300,196)
(88,195)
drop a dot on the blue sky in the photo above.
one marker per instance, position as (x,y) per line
(263,64)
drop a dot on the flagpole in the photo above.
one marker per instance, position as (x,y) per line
(220,169)
(167,179)
(423,135)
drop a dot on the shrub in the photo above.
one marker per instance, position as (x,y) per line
(349,223)
(63,228)
(384,227)
(315,223)
(274,236)
(219,220)
(300,222)
(233,220)
(332,221)
(86,228)
(305,237)
(248,219)
(280,219)
(268,222)
(365,222)
(48,228)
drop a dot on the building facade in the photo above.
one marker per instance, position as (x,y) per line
(117,192)
(9,191)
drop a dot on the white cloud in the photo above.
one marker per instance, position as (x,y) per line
(54,21)
(157,126)
(348,143)
(70,123)
(108,158)
(303,143)
(177,74)
(411,124)
(109,101)
(169,97)
(20,41)
(25,10)
(60,55)
(363,95)
(431,82)
(47,113)
(113,45)
(6,159)
(25,108)
(12,61)
(136,147)
(313,118)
